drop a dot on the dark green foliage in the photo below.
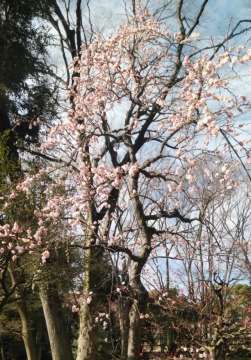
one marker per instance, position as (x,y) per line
(10,330)
(26,92)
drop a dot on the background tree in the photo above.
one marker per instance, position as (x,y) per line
(26,92)
(207,276)
(28,97)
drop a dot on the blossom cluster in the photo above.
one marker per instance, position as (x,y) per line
(132,123)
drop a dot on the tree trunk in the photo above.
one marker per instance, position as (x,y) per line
(124,306)
(88,332)
(88,329)
(2,350)
(134,338)
(40,327)
(212,352)
(58,336)
(27,335)
(138,309)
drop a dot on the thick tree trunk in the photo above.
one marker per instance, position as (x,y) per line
(88,329)
(27,335)
(58,336)
(88,333)
(134,338)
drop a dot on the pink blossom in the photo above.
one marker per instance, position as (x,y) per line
(134,169)
(16,228)
(75,309)
(45,256)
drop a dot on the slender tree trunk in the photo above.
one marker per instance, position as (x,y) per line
(40,327)
(27,335)
(2,350)
(58,336)
(124,306)
(167,271)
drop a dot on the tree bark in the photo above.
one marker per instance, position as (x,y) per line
(212,352)
(134,338)
(88,333)
(17,280)
(2,350)
(58,336)
(39,331)
(88,330)
(27,335)
(124,306)
(138,309)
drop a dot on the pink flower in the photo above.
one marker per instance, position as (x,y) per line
(134,169)
(75,309)
(45,256)
(16,228)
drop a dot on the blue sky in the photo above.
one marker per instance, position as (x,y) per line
(227,8)
(221,11)
(215,20)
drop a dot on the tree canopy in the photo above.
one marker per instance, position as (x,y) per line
(135,199)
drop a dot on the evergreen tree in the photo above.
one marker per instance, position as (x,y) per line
(26,92)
